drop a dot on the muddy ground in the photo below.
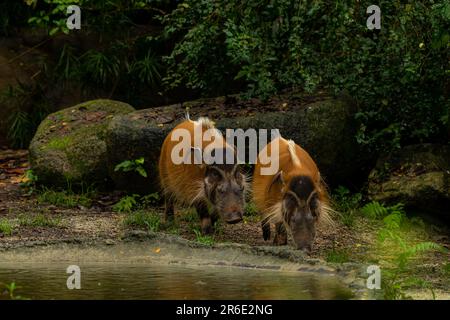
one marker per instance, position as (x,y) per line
(98,223)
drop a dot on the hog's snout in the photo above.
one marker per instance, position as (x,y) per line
(233,216)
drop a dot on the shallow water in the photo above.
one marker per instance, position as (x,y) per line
(141,281)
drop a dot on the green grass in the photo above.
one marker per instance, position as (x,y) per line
(6,227)
(347,205)
(446,269)
(337,256)
(143,219)
(39,220)
(66,199)
(348,218)
(189,215)
(208,240)
(250,209)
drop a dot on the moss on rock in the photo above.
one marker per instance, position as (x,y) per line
(69,146)
(416,175)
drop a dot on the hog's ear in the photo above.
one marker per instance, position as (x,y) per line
(314,204)
(278,178)
(213,175)
(238,175)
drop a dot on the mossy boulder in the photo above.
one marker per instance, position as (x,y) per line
(69,145)
(416,175)
(324,126)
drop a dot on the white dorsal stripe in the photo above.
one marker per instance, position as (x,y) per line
(205,122)
(291,148)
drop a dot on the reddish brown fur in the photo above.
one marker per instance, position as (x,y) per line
(268,194)
(189,184)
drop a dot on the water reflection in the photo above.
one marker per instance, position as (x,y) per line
(120,281)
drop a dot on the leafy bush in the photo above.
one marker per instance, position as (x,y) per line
(126,204)
(398,75)
(346,204)
(27,106)
(150,199)
(132,165)
(126,61)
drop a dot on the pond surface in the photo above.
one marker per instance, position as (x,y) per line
(142,281)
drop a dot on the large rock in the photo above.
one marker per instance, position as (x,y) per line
(324,126)
(69,145)
(416,175)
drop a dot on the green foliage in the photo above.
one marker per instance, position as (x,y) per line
(132,165)
(11,290)
(28,108)
(250,209)
(189,215)
(125,61)
(150,220)
(132,202)
(337,256)
(344,200)
(39,220)
(147,69)
(126,203)
(391,215)
(346,204)
(29,181)
(101,67)
(6,227)
(398,75)
(394,220)
(446,269)
(55,20)
(66,198)
(150,199)
(208,240)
